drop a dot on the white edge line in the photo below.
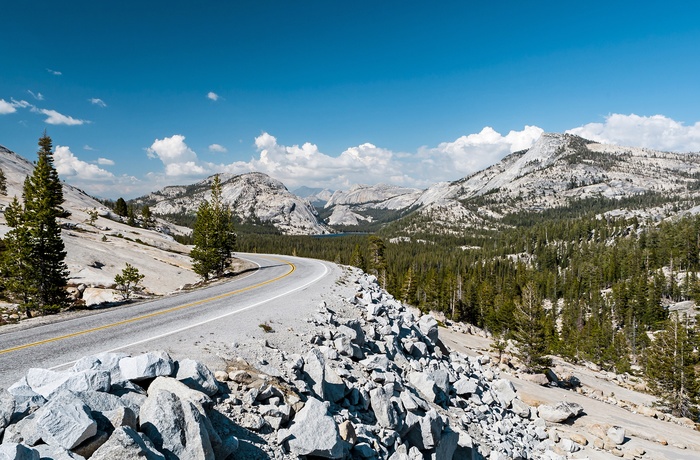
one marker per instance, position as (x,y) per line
(176,331)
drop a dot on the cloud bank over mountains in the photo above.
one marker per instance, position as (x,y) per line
(305,164)
(297,165)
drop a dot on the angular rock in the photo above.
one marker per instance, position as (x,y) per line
(7,408)
(426,386)
(175,426)
(447,445)
(424,432)
(314,432)
(99,401)
(89,446)
(539,379)
(466,386)
(47,383)
(560,412)
(520,408)
(24,431)
(181,390)
(315,370)
(26,399)
(346,430)
(16,451)
(146,366)
(47,451)
(101,362)
(505,391)
(429,327)
(379,362)
(125,443)
(383,408)
(334,387)
(411,402)
(197,376)
(113,419)
(65,421)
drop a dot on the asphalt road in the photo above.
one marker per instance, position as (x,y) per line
(190,324)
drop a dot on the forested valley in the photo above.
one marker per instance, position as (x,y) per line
(584,286)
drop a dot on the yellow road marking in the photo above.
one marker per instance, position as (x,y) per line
(151,315)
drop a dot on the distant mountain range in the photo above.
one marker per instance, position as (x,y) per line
(559,170)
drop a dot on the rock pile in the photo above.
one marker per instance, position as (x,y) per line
(379,385)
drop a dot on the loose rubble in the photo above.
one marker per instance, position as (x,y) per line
(379,385)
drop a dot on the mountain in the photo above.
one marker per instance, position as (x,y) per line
(253,197)
(315,196)
(97,251)
(368,207)
(562,171)
(380,196)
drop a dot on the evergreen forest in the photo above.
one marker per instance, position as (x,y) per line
(588,287)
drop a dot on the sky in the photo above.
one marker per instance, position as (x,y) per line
(327,94)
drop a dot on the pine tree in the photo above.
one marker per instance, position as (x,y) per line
(377,259)
(128,280)
(213,235)
(120,207)
(529,328)
(670,367)
(357,259)
(35,238)
(17,268)
(147,216)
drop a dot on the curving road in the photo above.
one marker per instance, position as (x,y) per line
(281,290)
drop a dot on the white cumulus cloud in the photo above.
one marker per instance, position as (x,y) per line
(54,72)
(473,152)
(213,96)
(656,132)
(55,118)
(105,162)
(305,164)
(97,102)
(70,166)
(177,157)
(217,148)
(6,107)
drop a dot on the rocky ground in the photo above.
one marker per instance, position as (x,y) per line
(365,377)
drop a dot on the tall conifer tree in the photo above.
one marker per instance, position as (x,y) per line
(213,235)
(35,240)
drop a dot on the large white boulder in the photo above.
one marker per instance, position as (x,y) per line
(146,366)
(314,432)
(65,421)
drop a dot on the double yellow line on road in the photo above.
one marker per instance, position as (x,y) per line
(151,315)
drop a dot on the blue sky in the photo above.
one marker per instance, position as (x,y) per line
(138,95)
